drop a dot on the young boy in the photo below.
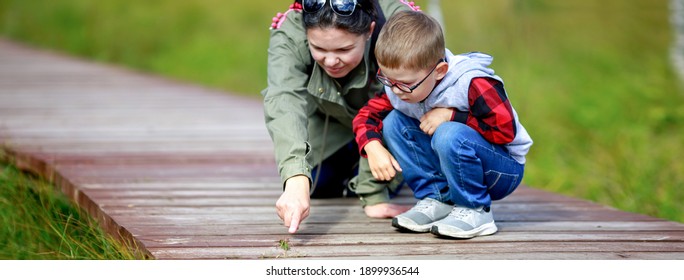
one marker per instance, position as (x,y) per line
(449,125)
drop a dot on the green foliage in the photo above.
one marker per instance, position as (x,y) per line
(591,80)
(37,223)
(592,83)
(217,43)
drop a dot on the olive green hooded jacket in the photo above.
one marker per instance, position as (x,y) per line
(309,114)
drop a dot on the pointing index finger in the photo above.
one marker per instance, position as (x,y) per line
(294,222)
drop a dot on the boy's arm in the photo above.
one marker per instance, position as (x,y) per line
(490,111)
(367,124)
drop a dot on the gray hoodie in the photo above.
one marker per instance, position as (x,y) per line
(452,92)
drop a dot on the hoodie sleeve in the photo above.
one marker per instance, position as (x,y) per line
(490,112)
(368,122)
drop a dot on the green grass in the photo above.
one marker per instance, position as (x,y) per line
(592,83)
(38,223)
(202,41)
(590,80)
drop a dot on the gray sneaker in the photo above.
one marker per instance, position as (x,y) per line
(466,223)
(421,216)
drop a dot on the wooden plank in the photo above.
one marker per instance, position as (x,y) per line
(531,256)
(459,250)
(378,226)
(400,238)
(503,212)
(193,215)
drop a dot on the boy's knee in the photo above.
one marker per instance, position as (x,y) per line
(393,123)
(449,133)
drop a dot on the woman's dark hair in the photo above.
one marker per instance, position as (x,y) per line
(357,23)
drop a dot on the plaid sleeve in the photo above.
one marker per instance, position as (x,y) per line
(367,124)
(490,112)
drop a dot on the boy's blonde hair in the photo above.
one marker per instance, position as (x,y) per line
(410,40)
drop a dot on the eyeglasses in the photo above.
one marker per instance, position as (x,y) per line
(402,86)
(340,7)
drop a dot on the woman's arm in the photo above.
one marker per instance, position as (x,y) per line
(287,106)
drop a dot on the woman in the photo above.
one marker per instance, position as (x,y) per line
(320,72)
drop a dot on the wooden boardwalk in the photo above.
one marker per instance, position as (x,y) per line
(188,173)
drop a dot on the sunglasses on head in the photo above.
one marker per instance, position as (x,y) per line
(340,7)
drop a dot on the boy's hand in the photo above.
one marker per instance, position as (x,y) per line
(294,204)
(382,164)
(433,118)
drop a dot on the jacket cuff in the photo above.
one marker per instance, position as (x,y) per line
(460,116)
(290,171)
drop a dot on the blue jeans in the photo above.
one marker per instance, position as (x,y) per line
(455,165)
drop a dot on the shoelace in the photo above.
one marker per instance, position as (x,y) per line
(422,205)
(460,213)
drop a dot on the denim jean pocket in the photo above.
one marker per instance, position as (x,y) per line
(499,184)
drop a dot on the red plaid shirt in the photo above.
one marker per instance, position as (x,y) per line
(490,113)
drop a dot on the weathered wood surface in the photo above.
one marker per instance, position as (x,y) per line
(188,173)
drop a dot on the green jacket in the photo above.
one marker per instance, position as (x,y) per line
(301,98)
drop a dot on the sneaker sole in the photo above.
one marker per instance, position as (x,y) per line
(486,229)
(413,228)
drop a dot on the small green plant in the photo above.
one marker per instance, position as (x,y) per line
(284,244)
